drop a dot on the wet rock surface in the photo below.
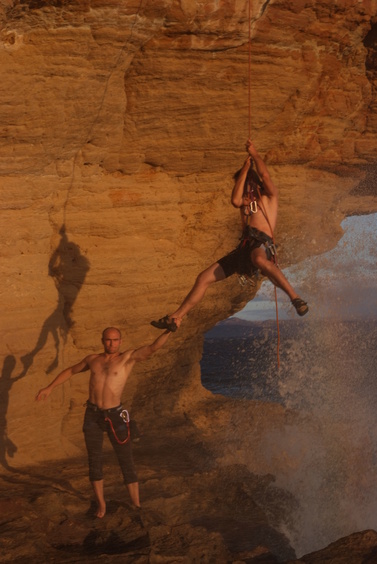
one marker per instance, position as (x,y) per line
(188,515)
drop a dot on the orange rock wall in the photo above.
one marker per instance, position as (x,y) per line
(121,126)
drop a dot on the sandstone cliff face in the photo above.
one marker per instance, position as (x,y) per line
(121,126)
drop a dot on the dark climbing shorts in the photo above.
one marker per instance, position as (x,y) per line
(239,260)
(95,425)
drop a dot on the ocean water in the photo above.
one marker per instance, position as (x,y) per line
(328,375)
(240,360)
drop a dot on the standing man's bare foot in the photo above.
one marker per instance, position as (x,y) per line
(101,510)
(100,499)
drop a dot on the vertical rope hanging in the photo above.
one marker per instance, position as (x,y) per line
(259,195)
(249,81)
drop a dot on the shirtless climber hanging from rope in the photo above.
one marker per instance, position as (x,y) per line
(256,196)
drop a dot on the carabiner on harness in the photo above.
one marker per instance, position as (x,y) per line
(271,248)
(126,418)
(125,415)
(245,280)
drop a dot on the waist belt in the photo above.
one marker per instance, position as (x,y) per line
(253,233)
(95,407)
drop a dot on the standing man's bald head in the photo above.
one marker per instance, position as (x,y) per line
(111,329)
(111,340)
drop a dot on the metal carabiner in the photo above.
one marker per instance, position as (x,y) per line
(245,280)
(125,415)
(253,206)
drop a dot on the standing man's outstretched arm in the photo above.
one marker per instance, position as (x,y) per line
(61,378)
(146,351)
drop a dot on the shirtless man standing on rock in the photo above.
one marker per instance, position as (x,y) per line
(109,372)
(255,194)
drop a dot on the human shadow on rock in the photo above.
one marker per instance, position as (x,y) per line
(7,446)
(68,267)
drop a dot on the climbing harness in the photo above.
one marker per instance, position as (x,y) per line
(252,239)
(126,418)
(123,414)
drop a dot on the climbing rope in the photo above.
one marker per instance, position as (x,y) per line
(275,261)
(249,81)
(263,209)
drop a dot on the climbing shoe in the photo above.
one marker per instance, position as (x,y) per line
(165,323)
(300,306)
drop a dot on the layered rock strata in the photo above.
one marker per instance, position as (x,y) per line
(121,127)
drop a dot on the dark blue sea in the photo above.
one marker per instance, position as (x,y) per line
(316,360)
